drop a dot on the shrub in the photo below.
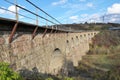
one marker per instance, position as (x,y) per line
(105,42)
(7,73)
(113,74)
(68,78)
(49,79)
(107,39)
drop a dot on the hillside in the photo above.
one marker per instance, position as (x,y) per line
(102,60)
(91,26)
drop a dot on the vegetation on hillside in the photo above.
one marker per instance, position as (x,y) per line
(102,61)
(92,26)
(106,42)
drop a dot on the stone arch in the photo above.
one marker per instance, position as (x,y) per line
(56,62)
(92,34)
(80,36)
(84,35)
(72,38)
(88,34)
(77,37)
(57,51)
(67,41)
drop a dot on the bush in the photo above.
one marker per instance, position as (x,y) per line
(113,74)
(105,42)
(68,78)
(7,73)
(107,39)
(49,79)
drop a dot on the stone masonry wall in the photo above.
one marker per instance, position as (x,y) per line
(48,54)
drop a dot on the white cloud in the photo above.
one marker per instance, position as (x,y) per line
(89,4)
(84,15)
(115,8)
(94,18)
(13,9)
(2,11)
(74,8)
(95,15)
(113,18)
(59,2)
(90,17)
(10,8)
(74,18)
(82,0)
(11,14)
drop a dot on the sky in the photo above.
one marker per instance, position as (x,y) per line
(65,11)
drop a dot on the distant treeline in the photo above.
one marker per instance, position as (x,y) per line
(91,26)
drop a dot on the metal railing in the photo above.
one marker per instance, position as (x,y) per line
(50,22)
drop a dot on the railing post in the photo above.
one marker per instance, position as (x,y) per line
(16,11)
(35,30)
(16,24)
(37,17)
(13,32)
(44,33)
(46,22)
(56,29)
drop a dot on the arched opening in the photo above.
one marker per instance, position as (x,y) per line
(84,35)
(56,62)
(94,33)
(80,35)
(91,33)
(57,51)
(77,40)
(72,38)
(67,41)
(72,41)
(77,37)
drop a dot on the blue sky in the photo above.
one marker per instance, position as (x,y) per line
(66,11)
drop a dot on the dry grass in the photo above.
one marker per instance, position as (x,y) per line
(103,59)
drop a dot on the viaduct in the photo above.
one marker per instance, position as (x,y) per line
(49,49)
(48,52)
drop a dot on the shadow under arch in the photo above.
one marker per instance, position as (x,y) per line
(57,51)
(56,62)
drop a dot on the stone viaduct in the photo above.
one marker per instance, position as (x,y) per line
(49,52)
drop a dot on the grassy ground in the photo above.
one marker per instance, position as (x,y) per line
(102,61)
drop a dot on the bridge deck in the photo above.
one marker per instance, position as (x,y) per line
(7,25)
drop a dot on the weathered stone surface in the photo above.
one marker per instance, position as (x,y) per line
(48,54)
(2,41)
